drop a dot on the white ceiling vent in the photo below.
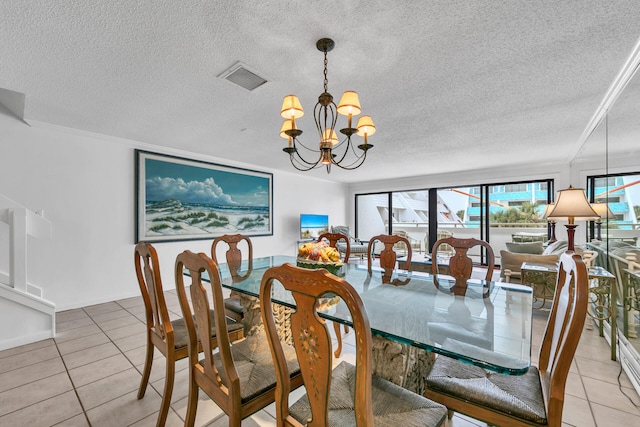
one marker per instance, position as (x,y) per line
(242,76)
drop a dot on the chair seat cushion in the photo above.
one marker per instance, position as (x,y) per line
(181,336)
(392,405)
(253,362)
(519,396)
(234,305)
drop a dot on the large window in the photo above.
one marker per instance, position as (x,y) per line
(622,195)
(497,213)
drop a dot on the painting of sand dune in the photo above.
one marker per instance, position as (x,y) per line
(182,199)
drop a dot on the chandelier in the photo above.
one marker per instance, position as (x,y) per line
(331,151)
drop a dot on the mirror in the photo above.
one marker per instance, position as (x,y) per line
(609,164)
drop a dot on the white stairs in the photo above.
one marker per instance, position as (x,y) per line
(25,315)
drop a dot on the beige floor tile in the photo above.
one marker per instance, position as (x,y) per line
(207,410)
(460,420)
(180,385)
(89,355)
(77,421)
(158,368)
(37,391)
(138,355)
(31,373)
(173,420)
(57,409)
(26,348)
(110,315)
(82,343)
(120,322)
(608,394)
(606,417)
(106,307)
(72,334)
(131,342)
(126,331)
(124,410)
(109,388)
(603,371)
(73,324)
(574,386)
(99,369)
(131,302)
(28,358)
(69,315)
(577,412)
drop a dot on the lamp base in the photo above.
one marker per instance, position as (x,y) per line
(571,231)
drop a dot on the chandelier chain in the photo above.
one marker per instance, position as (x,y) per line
(326,81)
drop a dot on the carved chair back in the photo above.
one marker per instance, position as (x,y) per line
(334,238)
(312,342)
(233,255)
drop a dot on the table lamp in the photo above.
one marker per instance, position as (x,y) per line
(572,204)
(602,209)
(551,221)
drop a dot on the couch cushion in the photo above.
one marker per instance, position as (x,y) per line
(513,262)
(525,248)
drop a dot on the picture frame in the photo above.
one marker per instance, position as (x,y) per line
(186,199)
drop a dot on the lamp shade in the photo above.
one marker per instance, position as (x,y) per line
(366,126)
(349,104)
(603,210)
(572,204)
(291,107)
(548,209)
(286,125)
(329,135)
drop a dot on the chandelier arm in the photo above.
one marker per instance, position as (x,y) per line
(360,160)
(304,146)
(296,162)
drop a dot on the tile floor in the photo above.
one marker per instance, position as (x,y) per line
(89,375)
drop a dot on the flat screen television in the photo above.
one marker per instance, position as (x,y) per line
(312,225)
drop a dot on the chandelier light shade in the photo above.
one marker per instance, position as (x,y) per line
(551,221)
(330,151)
(572,204)
(602,209)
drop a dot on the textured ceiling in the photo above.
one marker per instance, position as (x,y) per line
(451,85)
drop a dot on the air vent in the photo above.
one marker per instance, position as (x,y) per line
(242,76)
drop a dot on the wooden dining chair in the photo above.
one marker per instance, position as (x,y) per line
(333,239)
(346,395)
(168,336)
(233,257)
(239,377)
(388,255)
(537,397)
(460,264)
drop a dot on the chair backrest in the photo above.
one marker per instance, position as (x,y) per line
(225,384)
(388,255)
(342,229)
(460,265)
(312,342)
(334,238)
(234,254)
(148,273)
(563,331)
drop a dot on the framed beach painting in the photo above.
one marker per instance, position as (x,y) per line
(183,199)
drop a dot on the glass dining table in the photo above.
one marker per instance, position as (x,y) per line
(487,324)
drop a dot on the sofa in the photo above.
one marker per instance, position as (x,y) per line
(535,252)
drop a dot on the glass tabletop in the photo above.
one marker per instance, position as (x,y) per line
(487,324)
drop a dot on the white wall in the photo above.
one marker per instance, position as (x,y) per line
(85,185)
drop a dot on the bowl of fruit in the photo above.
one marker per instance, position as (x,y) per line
(320,255)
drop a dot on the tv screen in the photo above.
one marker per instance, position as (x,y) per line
(311,226)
